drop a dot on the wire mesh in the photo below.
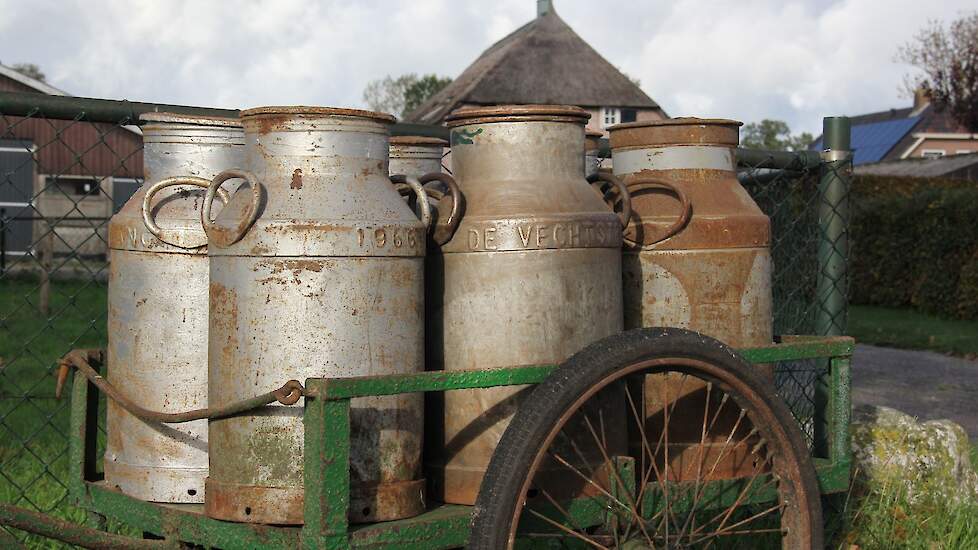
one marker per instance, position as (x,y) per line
(57,188)
(62,179)
(809,267)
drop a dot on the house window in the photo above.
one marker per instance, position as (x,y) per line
(932,153)
(72,185)
(628,115)
(610,116)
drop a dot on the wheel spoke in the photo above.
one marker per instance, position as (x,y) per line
(614,472)
(588,480)
(566,529)
(720,532)
(700,460)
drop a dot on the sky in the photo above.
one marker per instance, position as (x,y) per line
(795,61)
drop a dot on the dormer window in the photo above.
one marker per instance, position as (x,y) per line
(610,116)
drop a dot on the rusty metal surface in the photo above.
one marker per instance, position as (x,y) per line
(297,111)
(675,131)
(714,275)
(328,282)
(466,116)
(157,315)
(532,275)
(288,394)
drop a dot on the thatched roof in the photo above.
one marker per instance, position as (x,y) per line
(542,62)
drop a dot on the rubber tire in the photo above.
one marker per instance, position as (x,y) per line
(495,505)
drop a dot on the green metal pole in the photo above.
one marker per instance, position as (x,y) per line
(115,111)
(833,224)
(832,285)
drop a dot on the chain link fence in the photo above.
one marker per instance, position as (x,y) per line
(809,227)
(66,165)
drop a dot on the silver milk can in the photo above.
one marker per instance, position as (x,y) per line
(317,270)
(157,317)
(532,275)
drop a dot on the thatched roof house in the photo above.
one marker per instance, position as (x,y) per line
(544,61)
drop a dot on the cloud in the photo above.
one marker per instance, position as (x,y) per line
(753,59)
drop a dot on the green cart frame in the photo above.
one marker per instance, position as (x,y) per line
(327,447)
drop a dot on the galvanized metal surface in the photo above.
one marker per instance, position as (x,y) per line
(157,319)
(416,155)
(328,282)
(531,276)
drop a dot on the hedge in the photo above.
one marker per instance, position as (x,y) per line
(915,243)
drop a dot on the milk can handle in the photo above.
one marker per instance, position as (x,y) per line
(148,219)
(444,231)
(641,183)
(224,237)
(421,195)
(626,197)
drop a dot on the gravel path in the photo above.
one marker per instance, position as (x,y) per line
(920,383)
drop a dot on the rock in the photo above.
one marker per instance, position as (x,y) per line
(932,458)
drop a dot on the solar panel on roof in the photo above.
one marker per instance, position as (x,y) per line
(871,142)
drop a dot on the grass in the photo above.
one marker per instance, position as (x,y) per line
(883,517)
(905,328)
(34,425)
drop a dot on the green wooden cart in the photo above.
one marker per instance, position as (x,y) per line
(327,479)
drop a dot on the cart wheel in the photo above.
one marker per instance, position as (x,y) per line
(586,460)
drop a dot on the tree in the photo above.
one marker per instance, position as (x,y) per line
(774,135)
(425,87)
(948,58)
(403,94)
(30,70)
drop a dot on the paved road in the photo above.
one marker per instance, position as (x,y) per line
(920,383)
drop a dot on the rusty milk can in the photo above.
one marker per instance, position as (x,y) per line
(537,253)
(157,317)
(714,275)
(316,271)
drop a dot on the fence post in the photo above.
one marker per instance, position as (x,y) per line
(832,280)
(832,287)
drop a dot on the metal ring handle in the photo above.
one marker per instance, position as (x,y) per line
(626,198)
(420,193)
(643,183)
(445,231)
(224,237)
(148,219)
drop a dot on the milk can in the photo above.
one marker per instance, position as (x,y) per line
(316,270)
(532,275)
(714,274)
(157,315)
(592,148)
(420,157)
(416,155)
